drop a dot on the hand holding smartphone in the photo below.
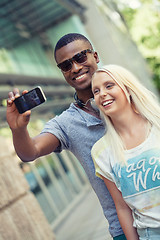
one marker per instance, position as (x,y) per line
(30,100)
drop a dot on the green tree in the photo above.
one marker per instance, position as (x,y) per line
(144,26)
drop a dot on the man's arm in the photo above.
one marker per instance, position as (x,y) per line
(27,148)
(123,211)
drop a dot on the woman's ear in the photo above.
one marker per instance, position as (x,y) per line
(133,105)
(128,95)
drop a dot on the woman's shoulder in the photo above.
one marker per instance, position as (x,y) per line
(100,146)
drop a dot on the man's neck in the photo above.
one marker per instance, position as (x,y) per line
(88,108)
(84,96)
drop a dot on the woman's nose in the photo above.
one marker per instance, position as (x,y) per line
(103,92)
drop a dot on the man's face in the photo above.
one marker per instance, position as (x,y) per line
(79,77)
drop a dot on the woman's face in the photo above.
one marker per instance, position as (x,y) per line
(109,97)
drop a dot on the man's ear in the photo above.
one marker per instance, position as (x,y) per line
(96,57)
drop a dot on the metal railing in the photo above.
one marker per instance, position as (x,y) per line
(58,182)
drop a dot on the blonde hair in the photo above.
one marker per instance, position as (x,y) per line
(142,100)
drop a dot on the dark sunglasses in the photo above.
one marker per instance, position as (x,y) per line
(80,58)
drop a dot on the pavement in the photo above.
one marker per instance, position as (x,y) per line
(85,222)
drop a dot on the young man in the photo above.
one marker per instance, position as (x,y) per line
(77,128)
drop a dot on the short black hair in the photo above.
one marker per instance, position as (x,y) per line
(68,38)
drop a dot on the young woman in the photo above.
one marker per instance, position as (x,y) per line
(127,158)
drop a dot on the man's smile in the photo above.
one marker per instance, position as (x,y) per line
(80,76)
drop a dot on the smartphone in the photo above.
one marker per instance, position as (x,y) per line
(30,100)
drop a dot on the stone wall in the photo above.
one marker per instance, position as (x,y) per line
(20,214)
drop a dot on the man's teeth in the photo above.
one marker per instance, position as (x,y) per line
(107,102)
(79,77)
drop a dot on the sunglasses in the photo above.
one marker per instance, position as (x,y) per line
(79,58)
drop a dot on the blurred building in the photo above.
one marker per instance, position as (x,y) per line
(30,30)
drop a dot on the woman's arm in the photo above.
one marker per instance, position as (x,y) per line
(123,211)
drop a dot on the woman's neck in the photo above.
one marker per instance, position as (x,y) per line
(132,128)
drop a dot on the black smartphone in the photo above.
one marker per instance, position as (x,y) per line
(30,100)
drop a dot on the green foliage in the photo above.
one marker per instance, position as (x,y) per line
(144,25)
(155,64)
(128,14)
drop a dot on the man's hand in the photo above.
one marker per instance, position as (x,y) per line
(14,118)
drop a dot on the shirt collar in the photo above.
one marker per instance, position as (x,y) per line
(88,118)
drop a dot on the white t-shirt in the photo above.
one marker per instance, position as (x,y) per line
(139,180)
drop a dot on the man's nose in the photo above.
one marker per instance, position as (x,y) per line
(76,66)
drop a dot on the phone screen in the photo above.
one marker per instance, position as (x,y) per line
(30,100)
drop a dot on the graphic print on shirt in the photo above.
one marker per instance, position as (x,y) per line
(141,174)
